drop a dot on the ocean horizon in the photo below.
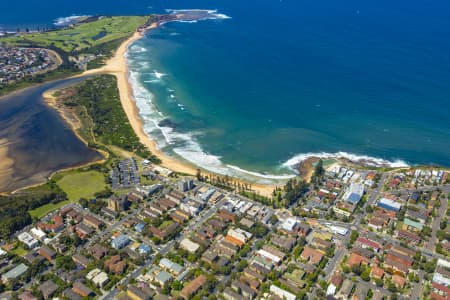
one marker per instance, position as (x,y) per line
(256,89)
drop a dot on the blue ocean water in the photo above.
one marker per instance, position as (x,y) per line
(281,80)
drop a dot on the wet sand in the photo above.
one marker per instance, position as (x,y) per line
(35,140)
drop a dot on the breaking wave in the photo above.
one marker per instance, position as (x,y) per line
(366,160)
(182,144)
(66,21)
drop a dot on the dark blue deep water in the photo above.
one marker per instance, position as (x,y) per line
(282,79)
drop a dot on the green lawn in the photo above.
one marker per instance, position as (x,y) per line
(43,210)
(19,251)
(83,36)
(79,184)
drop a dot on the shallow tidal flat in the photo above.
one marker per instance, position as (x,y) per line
(34,139)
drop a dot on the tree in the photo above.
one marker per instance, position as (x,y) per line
(199,175)
(354,235)
(318,174)
(65,262)
(365,275)
(177,285)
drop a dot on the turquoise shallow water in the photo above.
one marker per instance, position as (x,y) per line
(273,84)
(279,80)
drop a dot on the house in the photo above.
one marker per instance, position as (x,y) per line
(226,215)
(377,272)
(367,243)
(311,255)
(439,292)
(48,289)
(163,278)
(238,236)
(176,196)
(272,254)
(243,289)
(93,222)
(38,234)
(97,251)
(28,240)
(282,293)
(398,262)
(81,289)
(346,289)
(360,292)
(321,244)
(81,260)
(389,205)
(356,260)
(230,294)
(56,224)
(27,295)
(71,295)
(48,253)
(286,243)
(136,293)
(411,225)
(83,230)
(14,273)
(98,277)
(171,266)
(399,281)
(409,236)
(189,245)
(354,193)
(120,242)
(193,287)
(209,256)
(115,265)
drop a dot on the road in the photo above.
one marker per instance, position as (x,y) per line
(166,248)
(435,226)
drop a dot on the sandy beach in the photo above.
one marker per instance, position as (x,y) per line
(118,66)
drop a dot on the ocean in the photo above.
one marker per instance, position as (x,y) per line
(266,84)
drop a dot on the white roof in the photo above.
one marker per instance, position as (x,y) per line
(289,224)
(443,263)
(390,203)
(269,256)
(331,290)
(282,293)
(100,279)
(93,273)
(38,233)
(439,278)
(189,245)
(338,229)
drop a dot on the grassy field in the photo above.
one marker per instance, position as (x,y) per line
(83,36)
(43,210)
(79,184)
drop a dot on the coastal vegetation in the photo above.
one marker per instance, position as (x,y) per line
(14,209)
(96,102)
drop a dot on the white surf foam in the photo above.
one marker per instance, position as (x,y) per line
(368,160)
(211,14)
(184,145)
(158,74)
(267,176)
(66,21)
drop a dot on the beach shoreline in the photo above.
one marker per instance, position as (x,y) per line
(118,66)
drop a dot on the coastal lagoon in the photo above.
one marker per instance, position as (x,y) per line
(35,140)
(265,84)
